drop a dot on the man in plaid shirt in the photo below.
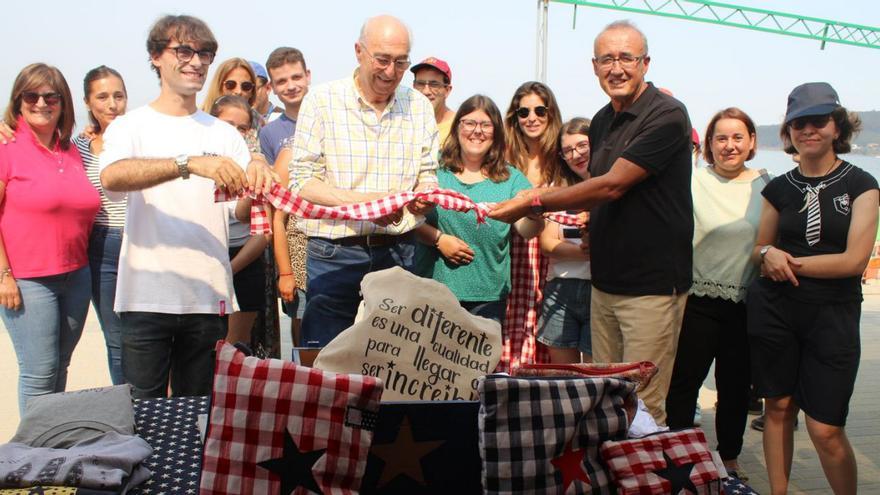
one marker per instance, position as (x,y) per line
(359,139)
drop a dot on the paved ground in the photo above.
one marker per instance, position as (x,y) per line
(89,369)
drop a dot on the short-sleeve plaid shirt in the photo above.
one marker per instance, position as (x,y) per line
(342,141)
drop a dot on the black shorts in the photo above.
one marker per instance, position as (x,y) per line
(250,284)
(805,350)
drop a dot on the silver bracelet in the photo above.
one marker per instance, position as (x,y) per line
(3,273)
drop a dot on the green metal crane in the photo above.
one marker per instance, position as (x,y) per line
(723,14)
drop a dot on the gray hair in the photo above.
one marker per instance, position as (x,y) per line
(622,24)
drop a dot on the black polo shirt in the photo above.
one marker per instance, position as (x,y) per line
(640,244)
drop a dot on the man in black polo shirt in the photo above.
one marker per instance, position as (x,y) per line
(641,219)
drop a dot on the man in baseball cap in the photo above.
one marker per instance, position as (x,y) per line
(433,78)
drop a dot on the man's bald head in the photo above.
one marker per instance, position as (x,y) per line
(384,26)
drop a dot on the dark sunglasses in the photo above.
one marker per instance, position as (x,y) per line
(523,112)
(245,85)
(817,121)
(32,98)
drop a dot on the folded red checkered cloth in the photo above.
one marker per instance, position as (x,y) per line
(283,199)
(640,372)
(276,427)
(663,463)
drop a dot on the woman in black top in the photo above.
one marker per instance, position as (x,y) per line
(815,237)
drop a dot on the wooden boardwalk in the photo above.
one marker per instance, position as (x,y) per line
(863,425)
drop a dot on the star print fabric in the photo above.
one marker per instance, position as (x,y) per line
(663,463)
(542,435)
(279,428)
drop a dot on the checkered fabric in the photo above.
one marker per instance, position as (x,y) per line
(284,199)
(543,435)
(275,426)
(640,373)
(528,271)
(641,466)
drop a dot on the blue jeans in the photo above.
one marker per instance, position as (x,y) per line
(493,310)
(156,345)
(104,246)
(334,283)
(45,330)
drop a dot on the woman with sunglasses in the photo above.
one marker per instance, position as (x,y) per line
(474,259)
(727,198)
(814,240)
(236,77)
(48,207)
(531,125)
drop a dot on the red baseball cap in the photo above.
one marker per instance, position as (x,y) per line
(434,63)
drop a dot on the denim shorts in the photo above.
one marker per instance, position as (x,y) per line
(297,307)
(565,315)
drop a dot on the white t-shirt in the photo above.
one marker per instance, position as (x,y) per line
(568,269)
(174,256)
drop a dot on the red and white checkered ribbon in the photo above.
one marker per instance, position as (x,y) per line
(283,199)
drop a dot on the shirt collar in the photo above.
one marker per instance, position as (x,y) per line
(23,130)
(363,101)
(642,101)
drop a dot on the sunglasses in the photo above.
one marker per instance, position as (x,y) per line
(817,121)
(32,98)
(246,86)
(523,112)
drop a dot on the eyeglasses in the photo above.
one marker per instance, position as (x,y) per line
(523,112)
(626,61)
(230,85)
(582,148)
(434,85)
(383,61)
(469,125)
(185,54)
(817,121)
(51,99)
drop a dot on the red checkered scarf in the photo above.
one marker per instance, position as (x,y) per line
(283,199)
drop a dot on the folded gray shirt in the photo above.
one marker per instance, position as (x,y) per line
(65,419)
(110,462)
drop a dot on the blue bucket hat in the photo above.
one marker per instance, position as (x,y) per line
(815,98)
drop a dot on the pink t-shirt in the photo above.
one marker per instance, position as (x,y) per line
(48,207)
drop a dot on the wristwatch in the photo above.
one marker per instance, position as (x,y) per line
(764,250)
(537,207)
(182,162)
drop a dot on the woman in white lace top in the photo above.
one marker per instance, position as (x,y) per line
(727,208)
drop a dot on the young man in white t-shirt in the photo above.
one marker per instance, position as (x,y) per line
(175,283)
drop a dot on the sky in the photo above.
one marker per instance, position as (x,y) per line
(489,44)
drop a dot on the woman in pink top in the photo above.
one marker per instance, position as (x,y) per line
(47,207)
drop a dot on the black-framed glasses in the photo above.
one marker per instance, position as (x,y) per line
(817,121)
(383,61)
(185,53)
(469,125)
(626,60)
(230,85)
(434,85)
(523,112)
(582,148)
(51,99)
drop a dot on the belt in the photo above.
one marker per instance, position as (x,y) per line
(372,240)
